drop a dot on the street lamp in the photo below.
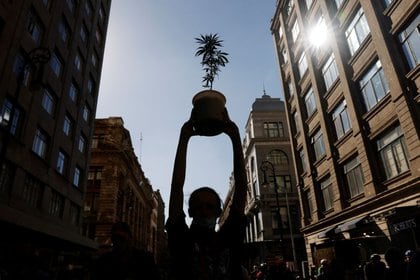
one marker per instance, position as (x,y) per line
(267,165)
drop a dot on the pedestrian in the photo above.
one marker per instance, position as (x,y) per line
(124,261)
(375,269)
(395,262)
(199,251)
(323,272)
(412,265)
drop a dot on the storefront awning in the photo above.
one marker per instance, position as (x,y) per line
(326,233)
(352,224)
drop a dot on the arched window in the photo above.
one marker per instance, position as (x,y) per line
(278,157)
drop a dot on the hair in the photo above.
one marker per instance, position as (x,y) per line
(209,190)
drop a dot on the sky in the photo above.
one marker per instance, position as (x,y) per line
(150,75)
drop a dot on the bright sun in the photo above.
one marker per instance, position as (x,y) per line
(319,34)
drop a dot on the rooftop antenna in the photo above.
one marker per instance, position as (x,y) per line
(264,93)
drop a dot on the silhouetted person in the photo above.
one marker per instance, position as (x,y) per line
(323,272)
(124,261)
(198,251)
(375,269)
(394,259)
(412,265)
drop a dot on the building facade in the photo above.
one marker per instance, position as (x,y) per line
(272,207)
(117,190)
(51,55)
(350,73)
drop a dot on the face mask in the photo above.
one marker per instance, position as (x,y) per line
(209,223)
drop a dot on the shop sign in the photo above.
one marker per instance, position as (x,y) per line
(407,224)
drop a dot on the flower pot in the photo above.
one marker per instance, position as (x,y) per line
(208,112)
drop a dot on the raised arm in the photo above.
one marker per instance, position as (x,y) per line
(178,176)
(239,173)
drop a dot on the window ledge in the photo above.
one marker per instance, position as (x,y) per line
(356,197)
(359,51)
(396,178)
(329,211)
(378,106)
(343,138)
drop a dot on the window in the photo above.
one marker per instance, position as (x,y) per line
(290,87)
(295,31)
(330,72)
(392,151)
(318,145)
(94,59)
(62,159)
(74,214)
(303,160)
(73,92)
(98,36)
(338,3)
(280,32)
(285,183)
(97,140)
(56,207)
(341,119)
(84,33)
(91,86)
(86,113)
(278,157)
(410,42)
(284,55)
(309,3)
(296,120)
(289,7)
(310,102)
(11,117)
(48,102)
(91,202)
(273,129)
(21,69)
(76,176)
(78,61)
(308,208)
(302,65)
(357,31)
(39,145)
(327,194)
(33,191)
(101,14)
(64,30)
(34,27)
(373,85)
(279,219)
(56,64)
(354,177)
(94,177)
(82,143)
(387,2)
(88,8)
(68,124)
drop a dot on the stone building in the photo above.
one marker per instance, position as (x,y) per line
(51,55)
(272,207)
(118,190)
(350,73)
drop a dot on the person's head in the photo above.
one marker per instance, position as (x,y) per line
(324,262)
(375,258)
(205,206)
(120,236)
(409,255)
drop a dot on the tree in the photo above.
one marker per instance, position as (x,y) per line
(212,57)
